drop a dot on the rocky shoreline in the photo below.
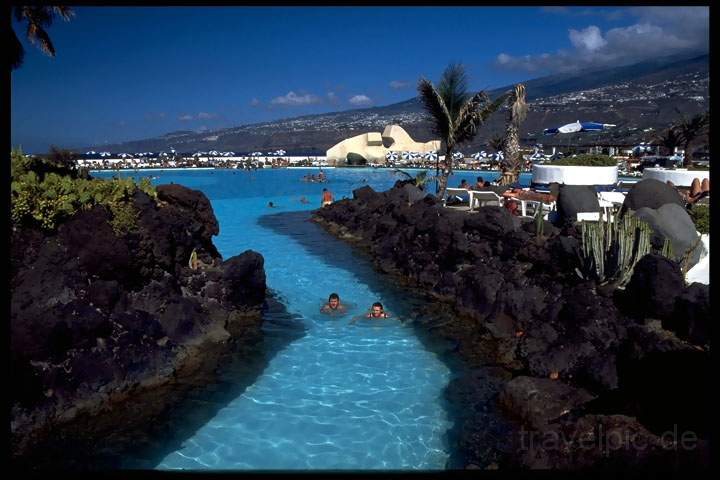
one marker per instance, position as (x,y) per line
(109,330)
(594,378)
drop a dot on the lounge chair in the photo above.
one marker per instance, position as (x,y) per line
(535,204)
(595,216)
(454,192)
(482,197)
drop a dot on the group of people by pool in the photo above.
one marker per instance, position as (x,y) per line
(327,199)
(319,178)
(334,306)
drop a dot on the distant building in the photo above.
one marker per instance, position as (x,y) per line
(373,146)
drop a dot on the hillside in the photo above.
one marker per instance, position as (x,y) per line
(648,95)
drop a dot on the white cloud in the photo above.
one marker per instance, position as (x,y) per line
(254,102)
(332,98)
(205,115)
(399,84)
(293,100)
(589,39)
(657,31)
(360,100)
(185,118)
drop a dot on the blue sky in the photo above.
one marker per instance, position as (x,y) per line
(138,72)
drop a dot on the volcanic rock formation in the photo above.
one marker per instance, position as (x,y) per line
(99,319)
(586,361)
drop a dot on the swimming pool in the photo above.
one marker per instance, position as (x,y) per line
(342,396)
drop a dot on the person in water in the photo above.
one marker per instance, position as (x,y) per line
(327,197)
(333,304)
(271,205)
(377,311)
(304,200)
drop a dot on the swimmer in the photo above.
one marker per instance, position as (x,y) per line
(271,205)
(376,311)
(333,305)
(304,200)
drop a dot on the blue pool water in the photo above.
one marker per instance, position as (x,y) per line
(343,396)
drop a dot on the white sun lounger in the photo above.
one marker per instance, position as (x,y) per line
(482,197)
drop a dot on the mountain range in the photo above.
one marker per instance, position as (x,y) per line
(640,99)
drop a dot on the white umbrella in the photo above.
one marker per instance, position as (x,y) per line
(405,155)
(477,156)
(432,155)
(458,156)
(578,127)
(392,156)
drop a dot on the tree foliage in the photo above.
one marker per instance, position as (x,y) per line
(38,19)
(44,194)
(456,114)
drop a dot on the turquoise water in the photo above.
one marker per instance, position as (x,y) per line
(343,396)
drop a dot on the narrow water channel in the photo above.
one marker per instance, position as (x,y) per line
(363,395)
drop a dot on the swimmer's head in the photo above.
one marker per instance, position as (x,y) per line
(377,309)
(334,300)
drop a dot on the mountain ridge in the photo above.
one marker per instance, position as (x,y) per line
(314,133)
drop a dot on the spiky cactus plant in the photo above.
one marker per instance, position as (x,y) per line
(611,248)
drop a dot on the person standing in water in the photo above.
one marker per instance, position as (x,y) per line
(327,198)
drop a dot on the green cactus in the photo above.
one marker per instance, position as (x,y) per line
(539,222)
(612,247)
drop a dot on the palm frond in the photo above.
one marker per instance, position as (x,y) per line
(470,117)
(452,88)
(37,35)
(435,106)
(496,142)
(519,106)
(66,13)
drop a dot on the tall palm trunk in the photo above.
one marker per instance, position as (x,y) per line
(687,158)
(446,172)
(512,161)
(516,115)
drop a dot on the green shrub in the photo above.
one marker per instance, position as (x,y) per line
(125,217)
(700,215)
(586,160)
(58,192)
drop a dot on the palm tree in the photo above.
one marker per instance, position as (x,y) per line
(669,139)
(691,130)
(516,115)
(455,113)
(38,19)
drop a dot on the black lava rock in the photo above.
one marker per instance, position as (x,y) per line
(650,193)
